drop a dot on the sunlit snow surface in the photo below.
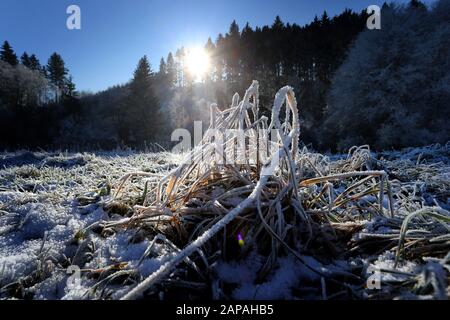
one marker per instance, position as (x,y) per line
(40,219)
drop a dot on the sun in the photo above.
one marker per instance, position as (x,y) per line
(197,62)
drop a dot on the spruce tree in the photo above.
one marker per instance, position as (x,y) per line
(171,70)
(163,77)
(34,63)
(162,66)
(143,116)
(7,54)
(69,87)
(56,73)
(417,4)
(210,50)
(180,67)
(232,56)
(220,58)
(25,60)
(278,24)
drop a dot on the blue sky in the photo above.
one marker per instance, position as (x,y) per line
(116,33)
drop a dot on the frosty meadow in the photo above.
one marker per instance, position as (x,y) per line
(327,178)
(299,225)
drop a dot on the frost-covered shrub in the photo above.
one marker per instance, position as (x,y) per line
(20,85)
(394,88)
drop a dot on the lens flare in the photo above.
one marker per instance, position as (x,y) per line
(240,240)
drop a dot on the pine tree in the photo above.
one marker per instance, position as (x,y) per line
(232,55)
(325,19)
(142,113)
(276,38)
(417,4)
(180,68)
(7,54)
(34,63)
(248,55)
(234,29)
(25,60)
(220,58)
(56,73)
(278,24)
(209,47)
(162,76)
(69,87)
(162,66)
(210,51)
(171,70)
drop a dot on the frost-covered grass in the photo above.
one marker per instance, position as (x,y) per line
(297,225)
(293,225)
(48,201)
(45,202)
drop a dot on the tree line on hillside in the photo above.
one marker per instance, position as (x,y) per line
(388,88)
(40,107)
(33,98)
(304,57)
